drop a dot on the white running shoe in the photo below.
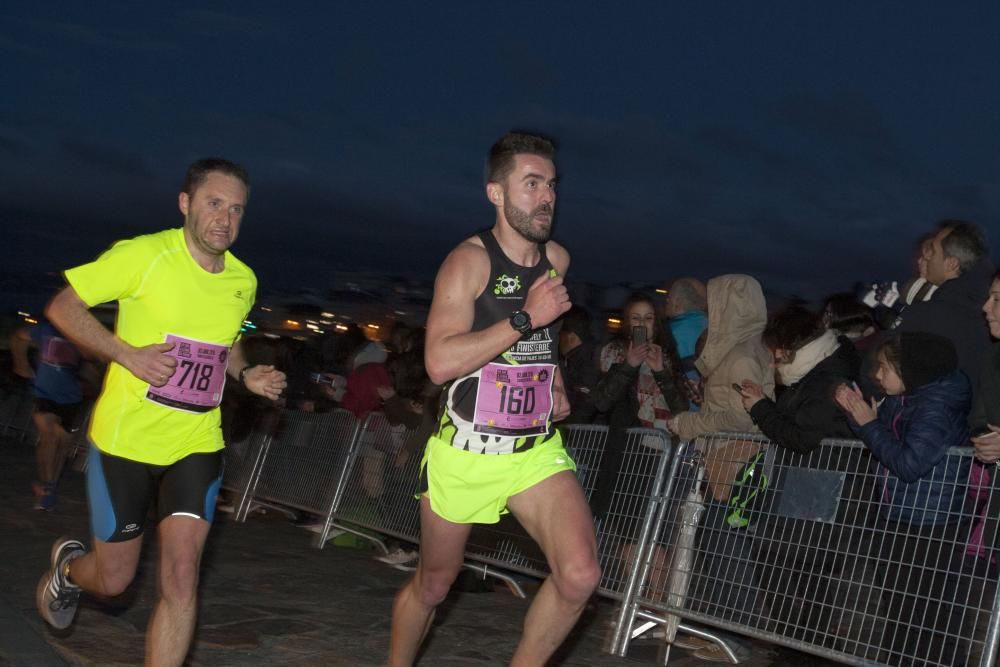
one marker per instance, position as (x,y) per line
(57,597)
(398,557)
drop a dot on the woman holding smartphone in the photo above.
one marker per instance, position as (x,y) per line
(641,384)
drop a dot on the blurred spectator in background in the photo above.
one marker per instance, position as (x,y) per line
(641,385)
(889,299)
(686,313)
(909,433)
(642,382)
(58,401)
(846,316)
(579,364)
(810,362)
(958,263)
(733,354)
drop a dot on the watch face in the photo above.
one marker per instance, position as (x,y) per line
(519,319)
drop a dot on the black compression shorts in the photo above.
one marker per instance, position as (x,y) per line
(121,491)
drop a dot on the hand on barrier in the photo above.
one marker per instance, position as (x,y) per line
(987,445)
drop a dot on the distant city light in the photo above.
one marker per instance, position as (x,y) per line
(614,320)
(660,290)
(23,314)
(326,322)
(265,309)
(30,320)
(341,327)
(293,323)
(372,326)
(327,315)
(249,325)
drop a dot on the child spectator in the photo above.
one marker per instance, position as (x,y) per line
(922,488)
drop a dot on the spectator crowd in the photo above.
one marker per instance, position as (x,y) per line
(911,368)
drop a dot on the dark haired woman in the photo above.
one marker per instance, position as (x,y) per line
(810,363)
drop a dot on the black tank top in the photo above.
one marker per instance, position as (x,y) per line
(505,292)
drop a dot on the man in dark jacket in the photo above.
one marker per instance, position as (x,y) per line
(958,262)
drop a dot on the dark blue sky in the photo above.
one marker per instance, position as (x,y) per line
(804,143)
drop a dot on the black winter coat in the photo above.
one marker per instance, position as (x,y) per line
(806,412)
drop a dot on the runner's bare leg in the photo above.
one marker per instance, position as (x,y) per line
(442,551)
(555,513)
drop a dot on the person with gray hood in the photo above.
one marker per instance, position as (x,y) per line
(733,354)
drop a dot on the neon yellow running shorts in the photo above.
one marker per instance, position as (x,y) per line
(465,487)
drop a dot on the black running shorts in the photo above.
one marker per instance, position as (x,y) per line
(121,491)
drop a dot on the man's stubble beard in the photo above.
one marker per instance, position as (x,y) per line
(521,221)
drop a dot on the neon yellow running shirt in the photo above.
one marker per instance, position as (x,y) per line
(161,291)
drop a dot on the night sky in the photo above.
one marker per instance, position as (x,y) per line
(805,143)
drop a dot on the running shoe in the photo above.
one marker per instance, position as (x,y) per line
(398,557)
(47,502)
(56,597)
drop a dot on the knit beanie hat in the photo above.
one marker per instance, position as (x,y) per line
(925,357)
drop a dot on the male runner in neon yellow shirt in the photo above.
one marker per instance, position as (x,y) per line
(155,431)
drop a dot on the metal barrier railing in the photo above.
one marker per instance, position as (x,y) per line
(818,559)
(378,488)
(303,462)
(808,559)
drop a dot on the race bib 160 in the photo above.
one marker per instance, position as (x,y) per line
(514,400)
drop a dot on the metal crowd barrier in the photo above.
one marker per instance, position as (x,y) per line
(367,484)
(244,457)
(811,555)
(806,557)
(302,464)
(377,491)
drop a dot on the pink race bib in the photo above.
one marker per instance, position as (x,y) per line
(198,380)
(514,400)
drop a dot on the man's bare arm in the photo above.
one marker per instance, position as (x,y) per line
(261,379)
(453,349)
(19,342)
(73,318)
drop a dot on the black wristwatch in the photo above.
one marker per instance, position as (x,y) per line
(521,321)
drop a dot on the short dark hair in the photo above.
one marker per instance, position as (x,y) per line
(964,242)
(200,169)
(792,328)
(500,161)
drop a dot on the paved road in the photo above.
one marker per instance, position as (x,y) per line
(269,597)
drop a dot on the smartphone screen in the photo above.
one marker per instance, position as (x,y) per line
(738,388)
(638,335)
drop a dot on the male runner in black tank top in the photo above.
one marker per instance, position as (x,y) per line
(491,340)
